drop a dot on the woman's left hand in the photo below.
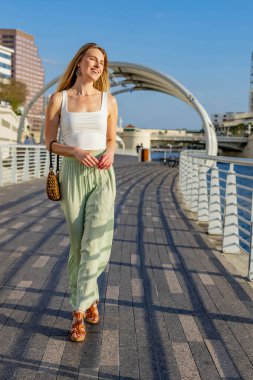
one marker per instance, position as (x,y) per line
(106,160)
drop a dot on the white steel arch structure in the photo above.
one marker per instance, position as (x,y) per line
(125,77)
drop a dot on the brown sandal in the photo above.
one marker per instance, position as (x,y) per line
(77,330)
(92,315)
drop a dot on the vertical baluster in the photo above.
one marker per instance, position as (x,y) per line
(26,166)
(231,230)
(183,171)
(37,162)
(203,210)
(180,175)
(46,168)
(250,269)
(188,183)
(215,218)
(194,185)
(14,164)
(1,166)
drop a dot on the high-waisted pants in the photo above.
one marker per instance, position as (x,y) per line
(88,196)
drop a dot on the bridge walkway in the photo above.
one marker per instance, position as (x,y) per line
(171,307)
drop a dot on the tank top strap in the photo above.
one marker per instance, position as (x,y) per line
(104,106)
(64,100)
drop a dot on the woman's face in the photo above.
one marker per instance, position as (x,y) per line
(92,64)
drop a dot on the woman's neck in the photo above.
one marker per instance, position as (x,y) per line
(84,88)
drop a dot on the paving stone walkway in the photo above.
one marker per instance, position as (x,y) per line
(171,308)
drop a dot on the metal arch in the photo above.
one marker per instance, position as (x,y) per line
(173,87)
(31,103)
(144,78)
(120,141)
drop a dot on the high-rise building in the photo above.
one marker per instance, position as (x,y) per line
(5,62)
(251,86)
(27,68)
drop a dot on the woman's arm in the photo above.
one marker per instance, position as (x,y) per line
(112,124)
(51,129)
(108,157)
(51,126)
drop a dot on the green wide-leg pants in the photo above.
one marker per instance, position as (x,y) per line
(88,196)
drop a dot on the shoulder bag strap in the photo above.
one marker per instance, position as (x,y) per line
(51,158)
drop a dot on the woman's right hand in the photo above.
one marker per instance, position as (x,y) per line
(85,158)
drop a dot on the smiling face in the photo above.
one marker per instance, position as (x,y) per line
(92,64)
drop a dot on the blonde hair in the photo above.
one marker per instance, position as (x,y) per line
(68,79)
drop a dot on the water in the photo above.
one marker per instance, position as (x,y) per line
(156,156)
(246,193)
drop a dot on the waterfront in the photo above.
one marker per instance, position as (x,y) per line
(157,156)
(162,296)
(218,190)
(244,187)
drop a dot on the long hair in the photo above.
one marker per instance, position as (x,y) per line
(68,79)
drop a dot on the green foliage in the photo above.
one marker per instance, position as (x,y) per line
(14,92)
(237,130)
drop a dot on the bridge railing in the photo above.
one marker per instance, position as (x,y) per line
(19,163)
(219,190)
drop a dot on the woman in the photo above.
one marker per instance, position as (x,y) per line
(87,116)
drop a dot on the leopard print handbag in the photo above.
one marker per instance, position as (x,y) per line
(53,184)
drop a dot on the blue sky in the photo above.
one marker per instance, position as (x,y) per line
(206,45)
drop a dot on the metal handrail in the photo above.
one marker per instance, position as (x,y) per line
(244,209)
(244,220)
(244,230)
(230,160)
(20,162)
(220,197)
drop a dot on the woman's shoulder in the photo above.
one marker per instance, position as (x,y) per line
(56,96)
(112,103)
(111,98)
(56,100)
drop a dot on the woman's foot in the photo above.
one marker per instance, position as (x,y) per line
(92,315)
(77,331)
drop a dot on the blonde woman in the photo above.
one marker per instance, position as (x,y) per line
(87,114)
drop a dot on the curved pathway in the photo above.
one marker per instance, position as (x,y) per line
(171,308)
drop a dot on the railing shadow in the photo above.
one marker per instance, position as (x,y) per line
(206,322)
(149,309)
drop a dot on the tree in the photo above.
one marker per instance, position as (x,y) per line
(14,92)
(237,130)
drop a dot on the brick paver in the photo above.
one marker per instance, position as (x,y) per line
(171,308)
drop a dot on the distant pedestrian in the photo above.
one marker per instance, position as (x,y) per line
(137,148)
(27,140)
(32,139)
(87,114)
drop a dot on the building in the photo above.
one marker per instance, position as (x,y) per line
(229,122)
(5,62)
(27,68)
(9,122)
(251,86)
(133,136)
(236,123)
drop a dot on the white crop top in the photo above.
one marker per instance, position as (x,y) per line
(86,130)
